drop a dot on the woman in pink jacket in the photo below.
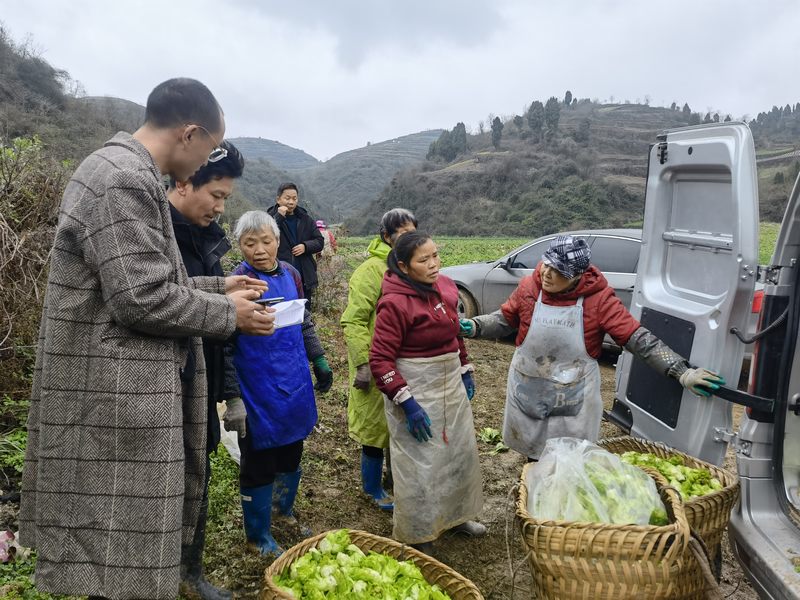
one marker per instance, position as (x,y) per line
(420,365)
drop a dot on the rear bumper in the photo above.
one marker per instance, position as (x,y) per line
(765,540)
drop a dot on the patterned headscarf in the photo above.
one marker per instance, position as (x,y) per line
(568,255)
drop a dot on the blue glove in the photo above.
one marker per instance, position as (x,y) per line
(466,328)
(469,385)
(418,421)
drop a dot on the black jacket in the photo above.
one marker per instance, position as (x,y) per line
(308,234)
(201,249)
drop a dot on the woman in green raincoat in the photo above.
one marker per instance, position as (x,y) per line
(366,418)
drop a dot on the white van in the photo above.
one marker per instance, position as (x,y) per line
(694,287)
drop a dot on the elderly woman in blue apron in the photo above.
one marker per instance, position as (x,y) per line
(560,314)
(276,388)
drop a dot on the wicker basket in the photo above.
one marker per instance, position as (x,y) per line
(708,515)
(602,561)
(456,586)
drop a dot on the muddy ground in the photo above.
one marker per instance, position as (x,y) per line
(332,499)
(330,495)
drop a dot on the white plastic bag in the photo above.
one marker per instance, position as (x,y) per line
(576,480)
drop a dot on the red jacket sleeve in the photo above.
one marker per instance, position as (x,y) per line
(462,352)
(615,318)
(390,329)
(511,307)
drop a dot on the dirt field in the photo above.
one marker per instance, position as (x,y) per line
(330,494)
(332,498)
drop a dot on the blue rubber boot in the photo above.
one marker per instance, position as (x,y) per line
(288,484)
(371,472)
(257,514)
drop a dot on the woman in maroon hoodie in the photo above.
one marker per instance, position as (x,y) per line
(560,314)
(420,365)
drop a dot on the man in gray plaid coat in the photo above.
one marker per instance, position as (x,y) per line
(115,462)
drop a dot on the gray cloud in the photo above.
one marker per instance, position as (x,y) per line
(361,27)
(329,76)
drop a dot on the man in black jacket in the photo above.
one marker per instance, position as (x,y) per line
(195,205)
(300,238)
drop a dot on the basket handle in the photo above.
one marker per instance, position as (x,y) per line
(700,552)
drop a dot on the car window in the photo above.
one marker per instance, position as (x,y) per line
(530,257)
(615,255)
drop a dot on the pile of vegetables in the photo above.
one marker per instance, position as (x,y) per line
(690,482)
(576,480)
(337,568)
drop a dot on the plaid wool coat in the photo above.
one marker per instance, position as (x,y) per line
(116,453)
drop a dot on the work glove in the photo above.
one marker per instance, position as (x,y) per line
(469,385)
(700,381)
(363,377)
(323,374)
(235,416)
(417,420)
(466,328)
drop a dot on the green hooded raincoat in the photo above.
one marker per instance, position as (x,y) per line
(365,413)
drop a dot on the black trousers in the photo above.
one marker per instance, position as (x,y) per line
(258,468)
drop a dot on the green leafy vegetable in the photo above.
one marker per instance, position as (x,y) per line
(489,435)
(575,480)
(690,482)
(339,569)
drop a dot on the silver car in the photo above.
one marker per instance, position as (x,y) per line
(483,287)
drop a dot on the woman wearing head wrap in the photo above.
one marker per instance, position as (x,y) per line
(560,314)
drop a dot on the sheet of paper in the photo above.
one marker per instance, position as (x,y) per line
(289,313)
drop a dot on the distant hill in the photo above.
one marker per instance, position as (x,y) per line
(587,171)
(280,155)
(129,115)
(350,181)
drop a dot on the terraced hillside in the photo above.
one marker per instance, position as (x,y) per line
(280,155)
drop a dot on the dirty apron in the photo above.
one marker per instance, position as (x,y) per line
(437,484)
(553,384)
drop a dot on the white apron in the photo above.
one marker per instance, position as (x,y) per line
(553,384)
(437,484)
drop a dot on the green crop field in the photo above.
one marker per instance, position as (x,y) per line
(461,250)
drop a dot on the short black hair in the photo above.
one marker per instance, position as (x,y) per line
(394,219)
(180,101)
(287,186)
(231,166)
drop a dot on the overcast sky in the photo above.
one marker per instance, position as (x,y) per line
(327,76)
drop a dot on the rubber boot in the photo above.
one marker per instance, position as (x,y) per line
(288,483)
(371,471)
(193,585)
(257,515)
(470,528)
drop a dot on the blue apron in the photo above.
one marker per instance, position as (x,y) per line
(274,377)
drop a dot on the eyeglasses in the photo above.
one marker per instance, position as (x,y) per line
(218,153)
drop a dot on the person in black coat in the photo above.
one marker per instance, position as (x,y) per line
(195,205)
(300,238)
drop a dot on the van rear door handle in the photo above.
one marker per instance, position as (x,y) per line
(755,402)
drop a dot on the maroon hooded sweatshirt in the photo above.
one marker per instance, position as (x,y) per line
(603,312)
(410,325)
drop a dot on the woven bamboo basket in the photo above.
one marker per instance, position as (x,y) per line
(457,586)
(603,561)
(708,515)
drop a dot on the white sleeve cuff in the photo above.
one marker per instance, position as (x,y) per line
(401,396)
(467,368)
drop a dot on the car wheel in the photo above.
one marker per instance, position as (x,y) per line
(467,307)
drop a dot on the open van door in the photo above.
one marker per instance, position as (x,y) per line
(695,280)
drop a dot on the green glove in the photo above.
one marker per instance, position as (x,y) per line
(701,382)
(323,374)
(466,328)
